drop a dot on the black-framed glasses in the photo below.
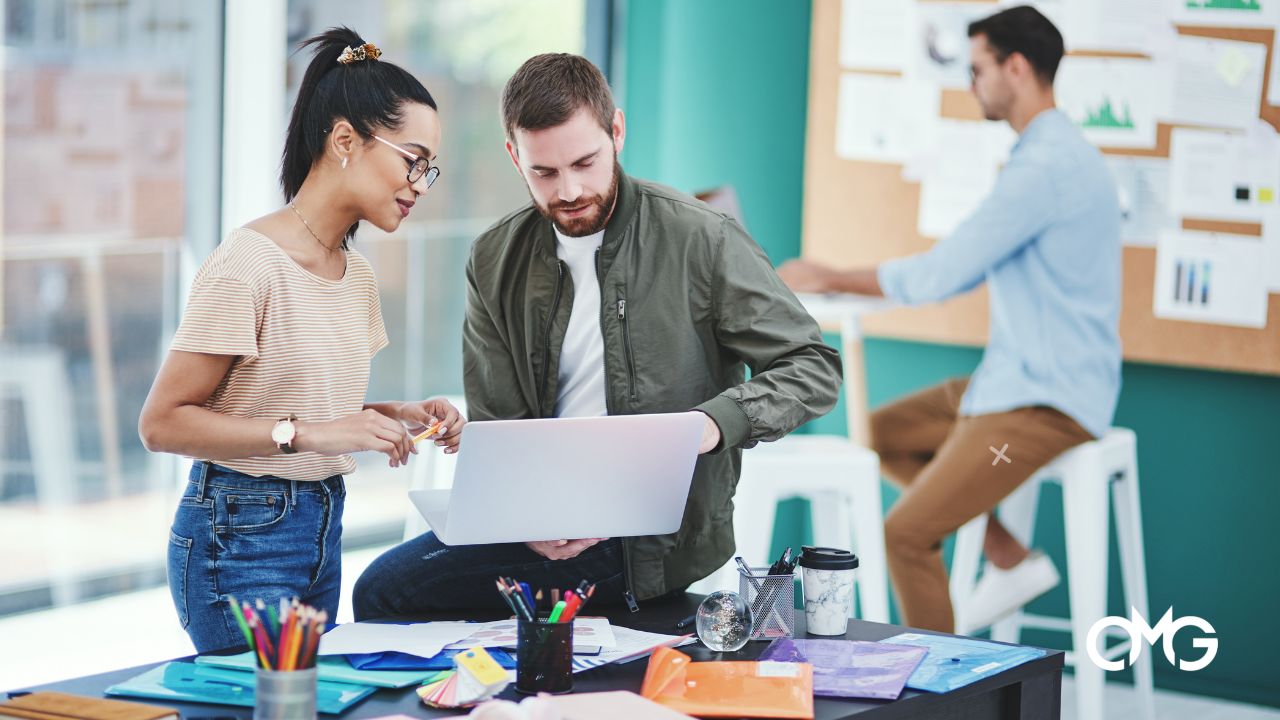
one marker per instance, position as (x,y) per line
(420,168)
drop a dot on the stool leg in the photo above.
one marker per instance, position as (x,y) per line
(1087,516)
(1134,569)
(1018,515)
(964,569)
(868,534)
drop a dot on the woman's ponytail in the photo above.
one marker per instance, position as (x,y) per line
(368,93)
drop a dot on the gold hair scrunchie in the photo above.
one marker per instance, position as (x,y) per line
(364,52)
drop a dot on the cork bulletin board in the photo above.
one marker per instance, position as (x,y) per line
(858,214)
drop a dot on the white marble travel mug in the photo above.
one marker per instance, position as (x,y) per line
(827,580)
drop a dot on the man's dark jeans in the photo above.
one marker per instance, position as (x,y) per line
(424,574)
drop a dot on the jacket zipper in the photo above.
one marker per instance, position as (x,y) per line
(626,344)
(546,357)
(627,595)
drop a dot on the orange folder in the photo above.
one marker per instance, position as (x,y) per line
(729,689)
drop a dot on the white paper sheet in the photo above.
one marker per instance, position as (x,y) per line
(880,118)
(1225,13)
(1114,101)
(1112,25)
(420,639)
(1273,87)
(632,645)
(1143,184)
(1218,175)
(1210,278)
(1271,253)
(875,34)
(590,631)
(1218,82)
(940,42)
(959,173)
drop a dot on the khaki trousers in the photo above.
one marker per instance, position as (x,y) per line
(943,464)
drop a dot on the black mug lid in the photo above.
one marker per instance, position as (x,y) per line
(825,558)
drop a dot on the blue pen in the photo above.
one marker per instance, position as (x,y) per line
(528,594)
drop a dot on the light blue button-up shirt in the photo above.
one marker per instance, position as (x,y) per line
(1047,242)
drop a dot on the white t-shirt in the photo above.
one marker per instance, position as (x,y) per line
(581,390)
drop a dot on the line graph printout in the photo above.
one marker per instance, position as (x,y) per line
(1114,101)
(1225,13)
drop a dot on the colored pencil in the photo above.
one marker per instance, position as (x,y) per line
(244,627)
(263,637)
(428,432)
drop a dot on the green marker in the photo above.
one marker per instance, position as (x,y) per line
(555,612)
(244,627)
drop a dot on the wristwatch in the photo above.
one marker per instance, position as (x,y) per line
(282,434)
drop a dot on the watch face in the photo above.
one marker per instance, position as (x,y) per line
(282,433)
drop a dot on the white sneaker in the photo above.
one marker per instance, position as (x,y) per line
(1001,592)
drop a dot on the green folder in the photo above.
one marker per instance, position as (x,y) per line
(187,682)
(333,668)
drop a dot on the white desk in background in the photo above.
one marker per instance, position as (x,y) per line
(843,313)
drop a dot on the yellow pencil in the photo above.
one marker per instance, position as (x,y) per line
(428,432)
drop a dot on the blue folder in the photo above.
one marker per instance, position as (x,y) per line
(187,682)
(401,661)
(331,668)
(954,662)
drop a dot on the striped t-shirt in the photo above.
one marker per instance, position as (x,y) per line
(303,343)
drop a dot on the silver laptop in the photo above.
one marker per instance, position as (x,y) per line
(566,478)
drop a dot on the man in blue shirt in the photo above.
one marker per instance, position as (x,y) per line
(1047,243)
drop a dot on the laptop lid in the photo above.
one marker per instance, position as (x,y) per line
(568,478)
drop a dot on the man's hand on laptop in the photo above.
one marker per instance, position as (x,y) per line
(710,435)
(562,549)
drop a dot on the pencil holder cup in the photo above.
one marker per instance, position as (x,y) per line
(285,695)
(544,657)
(772,602)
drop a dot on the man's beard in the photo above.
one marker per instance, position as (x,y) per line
(589,223)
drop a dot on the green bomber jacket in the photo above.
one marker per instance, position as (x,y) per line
(689,303)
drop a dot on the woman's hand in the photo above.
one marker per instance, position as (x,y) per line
(421,415)
(365,430)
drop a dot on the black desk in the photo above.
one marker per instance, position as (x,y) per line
(1032,691)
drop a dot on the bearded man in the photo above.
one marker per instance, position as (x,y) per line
(612,295)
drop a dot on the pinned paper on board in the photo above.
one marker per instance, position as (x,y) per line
(1218,82)
(940,43)
(1225,13)
(881,118)
(959,173)
(875,34)
(1211,278)
(1143,186)
(1224,176)
(1110,25)
(1114,101)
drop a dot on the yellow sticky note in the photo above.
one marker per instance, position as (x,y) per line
(481,665)
(1266,195)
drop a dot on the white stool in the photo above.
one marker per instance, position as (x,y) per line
(430,469)
(1085,473)
(842,483)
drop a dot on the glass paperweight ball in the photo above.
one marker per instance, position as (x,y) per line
(724,621)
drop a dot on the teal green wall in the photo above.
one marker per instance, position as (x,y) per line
(715,93)
(711,100)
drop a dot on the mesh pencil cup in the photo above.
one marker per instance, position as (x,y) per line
(285,694)
(544,657)
(772,602)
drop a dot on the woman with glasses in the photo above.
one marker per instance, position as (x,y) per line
(265,382)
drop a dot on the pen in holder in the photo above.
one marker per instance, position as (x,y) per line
(544,657)
(772,602)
